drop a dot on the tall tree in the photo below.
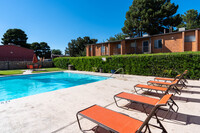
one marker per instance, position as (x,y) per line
(46,52)
(56,51)
(16,37)
(191,19)
(150,16)
(77,47)
(119,36)
(37,49)
(41,49)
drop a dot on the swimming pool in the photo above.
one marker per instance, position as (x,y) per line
(13,87)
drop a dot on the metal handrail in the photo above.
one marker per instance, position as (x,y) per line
(117,71)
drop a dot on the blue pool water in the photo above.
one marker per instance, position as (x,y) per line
(13,87)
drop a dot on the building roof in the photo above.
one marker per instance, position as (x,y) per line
(162,34)
(15,53)
(136,38)
(55,56)
(106,42)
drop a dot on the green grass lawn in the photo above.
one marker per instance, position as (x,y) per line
(12,72)
(48,70)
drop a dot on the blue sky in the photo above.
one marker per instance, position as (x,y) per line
(58,21)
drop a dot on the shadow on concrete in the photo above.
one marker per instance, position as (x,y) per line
(186,99)
(177,118)
(191,92)
(193,86)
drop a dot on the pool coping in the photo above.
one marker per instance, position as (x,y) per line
(69,71)
(90,73)
(29,74)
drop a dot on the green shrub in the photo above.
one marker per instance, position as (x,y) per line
(94,69)
(162,64)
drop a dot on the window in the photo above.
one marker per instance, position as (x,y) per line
(102,49)
(158,44)
(90,49)
(118,45)
(145,46)
(133,44)
(190,39)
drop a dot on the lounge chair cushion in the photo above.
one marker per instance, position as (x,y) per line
(108,118)
(151,87)
(163,83)
(167,79)
(138,98)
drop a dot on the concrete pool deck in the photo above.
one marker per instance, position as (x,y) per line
(56,111)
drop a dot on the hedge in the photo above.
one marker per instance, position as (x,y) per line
(162,65)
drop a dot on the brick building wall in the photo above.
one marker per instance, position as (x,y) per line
(171,42)
(129,48)
(115,49)
(190,46)
(15,53)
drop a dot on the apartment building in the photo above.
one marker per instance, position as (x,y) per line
(183,40)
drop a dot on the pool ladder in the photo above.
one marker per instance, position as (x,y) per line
(118,71)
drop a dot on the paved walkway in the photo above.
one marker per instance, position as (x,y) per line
(56,111)
(27,71)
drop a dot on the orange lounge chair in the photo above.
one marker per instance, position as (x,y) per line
(120,123)
(151,82)
(143,100)
(30,66)
(177,79)
(164,90)
(166,79)
(173,79)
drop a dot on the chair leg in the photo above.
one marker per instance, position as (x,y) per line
(147,128)
(176,90)
(79,124)
(118,105)
(162,127)
(173,103)
(116,101)
(167,112)
(171,108)
(144,109)
(136,89)
(183,83)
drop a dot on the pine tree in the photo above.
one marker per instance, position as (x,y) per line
(150,16)
(116,37)
(191,19)
(16,37)
(77,47)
